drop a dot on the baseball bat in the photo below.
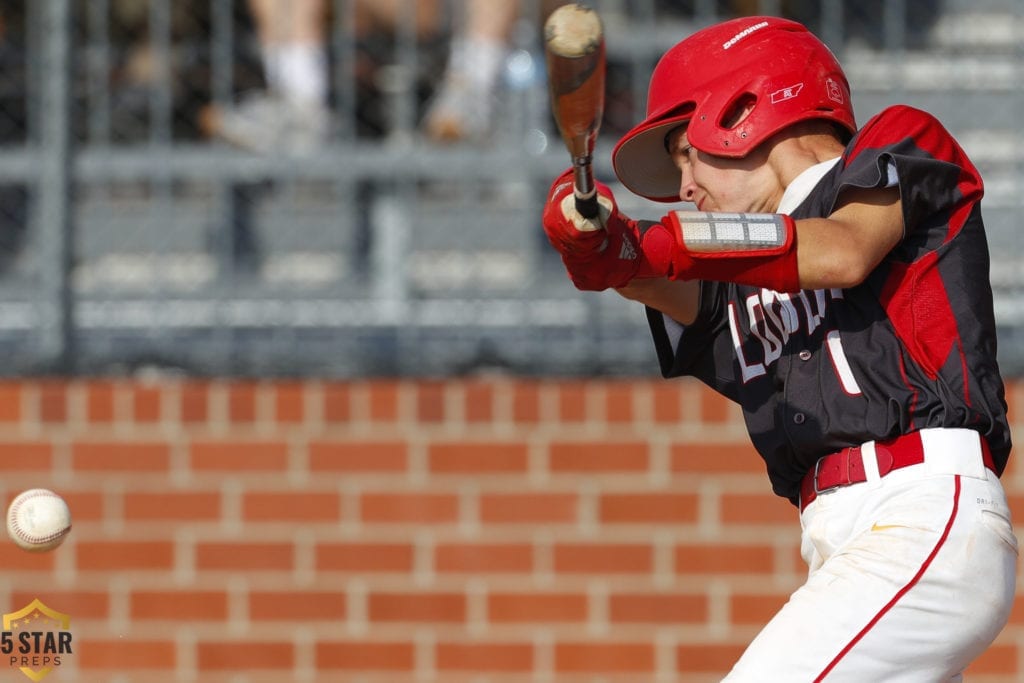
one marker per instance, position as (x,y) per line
(574,49)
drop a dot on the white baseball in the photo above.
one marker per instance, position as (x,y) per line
(38,520)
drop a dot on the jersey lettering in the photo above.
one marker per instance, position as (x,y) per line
(840,364)
(772,318)
(748,371)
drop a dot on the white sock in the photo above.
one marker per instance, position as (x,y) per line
(479,62)
(296,71)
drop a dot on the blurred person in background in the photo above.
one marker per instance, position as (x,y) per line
(462,109)
(292,113)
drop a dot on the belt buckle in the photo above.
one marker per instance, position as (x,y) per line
(817,468)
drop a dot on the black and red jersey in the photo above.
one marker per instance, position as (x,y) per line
(913,346)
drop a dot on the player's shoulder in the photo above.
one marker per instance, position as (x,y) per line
(908,130)
(898,122)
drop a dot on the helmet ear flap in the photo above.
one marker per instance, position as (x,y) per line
(717,126)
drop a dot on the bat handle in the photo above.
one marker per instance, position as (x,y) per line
(584,187)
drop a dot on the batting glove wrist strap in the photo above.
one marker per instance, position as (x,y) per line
(757,249)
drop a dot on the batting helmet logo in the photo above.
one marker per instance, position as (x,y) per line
(773,68)
(787,93)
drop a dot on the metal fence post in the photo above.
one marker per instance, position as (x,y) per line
(53,224)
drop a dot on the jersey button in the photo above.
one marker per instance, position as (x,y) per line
(799,418)
(805,355)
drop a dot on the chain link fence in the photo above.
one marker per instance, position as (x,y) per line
(138,229)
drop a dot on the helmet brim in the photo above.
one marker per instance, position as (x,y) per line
(643,164)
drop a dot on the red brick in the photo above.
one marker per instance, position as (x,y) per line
(248,656)
(478,401)
(1017,611)
(53,405)
(483,558)
(10,401)
(604,657)
(99,401)
(540,608)
(430,401)
(383,396)
(716,458)
(667,398)
(468,457)
(418,508)
(572,401)
(245,556)
(239,456)
(301,506)
(756,610)
(364,557)
(289,402)
(722,559)
(365,656)
(526,402)
(77,604)
(123,654)
(589,456)
(648,508)
(998,659)
(476,657)
(660,608)
(85,506)
(121,555)
(186,606)
(118,456)
(242,401)
(752,508)
(297,606)
(707,658)
(529,508)
(715,408)
(26,456)
(337,398)
(417,607)
(619,401)
(603,558)
(195,402)
(13,558)
(183,505)
(147,403)
(358,456)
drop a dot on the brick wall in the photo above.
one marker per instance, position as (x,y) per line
(473,530)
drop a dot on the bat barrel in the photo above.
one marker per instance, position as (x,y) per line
(575,52)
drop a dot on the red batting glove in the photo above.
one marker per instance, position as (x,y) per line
(609,250)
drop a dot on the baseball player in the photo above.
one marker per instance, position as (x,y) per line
(833,281)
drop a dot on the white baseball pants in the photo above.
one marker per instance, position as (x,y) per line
(912,576)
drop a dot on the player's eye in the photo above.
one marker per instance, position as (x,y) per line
(682,155)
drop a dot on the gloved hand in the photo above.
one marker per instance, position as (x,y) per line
(609,250)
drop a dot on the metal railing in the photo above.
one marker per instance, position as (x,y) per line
(133,241)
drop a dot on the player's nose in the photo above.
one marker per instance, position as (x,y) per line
(687,188)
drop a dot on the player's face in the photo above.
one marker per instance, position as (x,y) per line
(721,184)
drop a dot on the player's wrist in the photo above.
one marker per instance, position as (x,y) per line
(747,248)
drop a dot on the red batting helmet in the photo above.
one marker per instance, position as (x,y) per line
(774,65)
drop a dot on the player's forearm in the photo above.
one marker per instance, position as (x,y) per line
(678,299)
